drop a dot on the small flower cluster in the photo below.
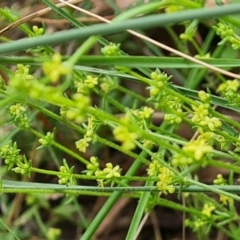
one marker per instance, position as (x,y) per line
(37,31)
(124,135)
(164,175)
(10,154)
(153,168)
(77,111)
(55,68)
(168,103)
(21,80)
(207,212)
(22,72)
(142,116)
(204,97)
(19,116)
(173,118)
(201,117)
(92,166)
(22,86)
(195,151)
(53,233)
(181,160)
(147,143)
(107,175)
(112,49)
(229,90)
(223,198)
(83,143)
(107,84)
(161,81)
(66,174)
(188,35)
(207,125)
(86,84)
(40,50)
(23,166)
(190,31)
(226,32)
(47,140)
(219,180)
(145,113)
(229,86)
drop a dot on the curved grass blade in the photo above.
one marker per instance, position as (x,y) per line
(116,27)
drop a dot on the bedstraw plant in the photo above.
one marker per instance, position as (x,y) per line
(61,111)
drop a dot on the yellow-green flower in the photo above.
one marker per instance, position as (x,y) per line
(112,49)
(17,109)
(122,134)
(145,113)
(212,123)
(198,148)
(53,233)
(165,178)
(226,200)
(203,96)
(180,160)
(207,209)
(229,85)
(91,81)
(82,144)
(55,68)
(154,168)
(92,166)
(111,172)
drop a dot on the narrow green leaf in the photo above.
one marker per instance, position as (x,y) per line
(131,61)
(115,27)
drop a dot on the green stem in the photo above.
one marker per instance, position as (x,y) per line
(224,165)
(9,229)
(176,39)
(176,206)
(132,93)
(39,221)
(86,177)
(199,50)
(115,103)
(138,213)
(195,187)
(84,48)
(61,147)
(215,189)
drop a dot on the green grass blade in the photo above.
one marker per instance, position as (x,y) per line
(9,229)
(104,29)
(139,212)
(130,61)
